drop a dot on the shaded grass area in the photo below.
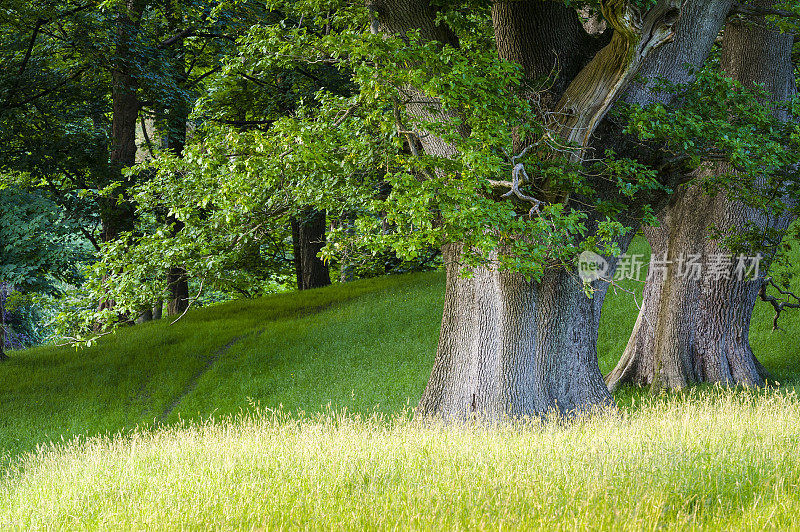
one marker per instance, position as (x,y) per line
(707,461)
(360,346)
(326,342)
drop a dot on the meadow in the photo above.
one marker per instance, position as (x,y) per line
(294,411)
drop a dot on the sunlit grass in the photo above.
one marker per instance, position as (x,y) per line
(718,459)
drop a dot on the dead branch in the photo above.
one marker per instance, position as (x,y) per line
(777,304)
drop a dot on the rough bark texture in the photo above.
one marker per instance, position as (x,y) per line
(590,95)
(695,33)
(695,329)
(513,348)
(308,239)
(553,59)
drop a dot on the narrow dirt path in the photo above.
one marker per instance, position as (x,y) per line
(192,384)
(212,359)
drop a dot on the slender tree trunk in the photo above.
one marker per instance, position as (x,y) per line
(178,286)
(3,355)
(117,215)
(177,119)
(308,239)
(695,328)
(177,278)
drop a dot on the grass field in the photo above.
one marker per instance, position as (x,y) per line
(174,427)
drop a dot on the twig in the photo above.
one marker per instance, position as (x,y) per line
(195,298)
(516,172)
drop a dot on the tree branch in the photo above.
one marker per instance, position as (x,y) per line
(777,304)
(759,11)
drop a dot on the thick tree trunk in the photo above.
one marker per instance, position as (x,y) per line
(514,348)
(694,328)
(509,347)
(308,239)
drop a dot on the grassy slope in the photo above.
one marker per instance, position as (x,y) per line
(362,346)
(354,345)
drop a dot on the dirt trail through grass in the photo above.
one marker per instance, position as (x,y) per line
(192,384)
(212,359)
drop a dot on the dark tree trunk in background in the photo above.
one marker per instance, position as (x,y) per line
(308,238)
(3,355)
(177,120)
(158,309)
(693,330)
(117,215)
(178,286)
(177,279)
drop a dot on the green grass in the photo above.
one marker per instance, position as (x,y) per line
(178,438)
(356,345)
(718,460)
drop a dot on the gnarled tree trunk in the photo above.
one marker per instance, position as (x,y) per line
(694,328)
(511,347)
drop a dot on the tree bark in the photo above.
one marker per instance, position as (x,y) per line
(511,347)
(116,211)
(3,355)
(308,239)
(508,346)
(178,286)
(514,348)
(694,329)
